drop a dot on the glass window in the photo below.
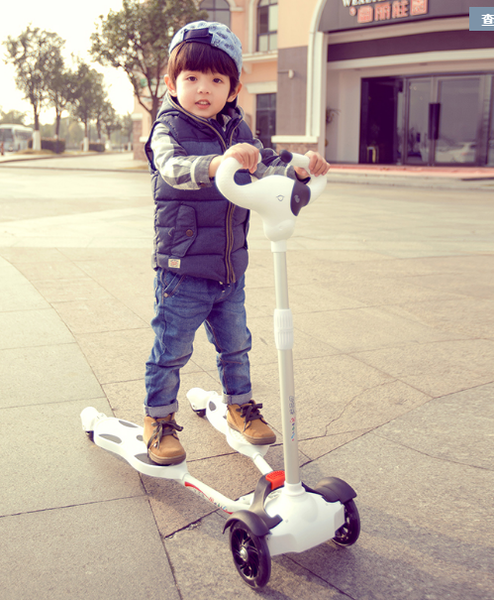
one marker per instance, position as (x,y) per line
(218,10)
(419,98)
(265,118)
(459,120)
(267,25)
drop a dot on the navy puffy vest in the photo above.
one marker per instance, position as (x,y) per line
(199,232)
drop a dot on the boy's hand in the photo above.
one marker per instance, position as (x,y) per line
(246,154)
(317,166)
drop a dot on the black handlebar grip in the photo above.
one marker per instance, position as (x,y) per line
(286,156)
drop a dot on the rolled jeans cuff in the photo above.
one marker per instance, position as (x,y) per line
(158,412)
(240,399)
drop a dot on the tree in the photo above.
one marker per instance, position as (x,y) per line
(88,95)
(136,39)
(12,117)
(109,120)
(62,85)
(127,128)
(35,55)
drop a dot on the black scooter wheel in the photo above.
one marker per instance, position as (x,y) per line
(200,412)
(250,555)
(348,533)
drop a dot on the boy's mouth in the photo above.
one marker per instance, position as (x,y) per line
(202,103)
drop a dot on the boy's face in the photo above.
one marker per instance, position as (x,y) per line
(202,94)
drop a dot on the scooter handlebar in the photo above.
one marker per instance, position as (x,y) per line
(276,198)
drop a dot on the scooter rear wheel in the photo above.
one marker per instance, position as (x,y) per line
(250,555)
(200,412)
(348,533)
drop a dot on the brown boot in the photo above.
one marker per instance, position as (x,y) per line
(160,435)
(247,419)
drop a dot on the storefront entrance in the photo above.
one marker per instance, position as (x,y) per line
(432,120)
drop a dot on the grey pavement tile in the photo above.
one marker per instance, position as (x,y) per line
(49,270)
(370,328)
(354,416)
(459,428)
(31,328)
(69,290)
(438,368)
(38,375)
(16,293)
(316,447)
(335,394)
(126,270)
(471,283)
(427,524)
(139,301)
(203,567)
(126,399)
(56,465)
(84,255)
(97,316)
(377,289)
(107,550)
(174,507)
(32,255)
(465,316)
(117,355)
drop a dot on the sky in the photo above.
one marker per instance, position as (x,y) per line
(74,23)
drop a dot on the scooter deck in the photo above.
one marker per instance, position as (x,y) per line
(125,439)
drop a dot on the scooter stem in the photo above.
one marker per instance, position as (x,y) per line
(283,333)
(278,200)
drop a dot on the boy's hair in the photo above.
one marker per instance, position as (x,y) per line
(190,56)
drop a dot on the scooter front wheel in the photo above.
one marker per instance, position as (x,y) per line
(348,533)
(250,555)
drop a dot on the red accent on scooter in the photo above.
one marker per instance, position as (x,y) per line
(276,478)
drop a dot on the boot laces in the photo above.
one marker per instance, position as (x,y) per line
(250,412)
(161,429)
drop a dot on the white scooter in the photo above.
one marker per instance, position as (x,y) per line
(282,514)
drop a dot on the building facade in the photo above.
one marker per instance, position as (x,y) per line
(365,81)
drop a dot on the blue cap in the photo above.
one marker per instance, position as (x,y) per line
(213,34)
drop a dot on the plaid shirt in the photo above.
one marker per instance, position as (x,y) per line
(185,172)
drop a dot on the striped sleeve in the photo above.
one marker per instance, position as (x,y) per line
(175,166)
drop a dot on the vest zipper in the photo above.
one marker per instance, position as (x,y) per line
(230,273)
(229,229)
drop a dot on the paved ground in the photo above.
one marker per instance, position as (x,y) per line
(391,286)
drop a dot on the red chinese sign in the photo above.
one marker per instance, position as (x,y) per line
(385,10)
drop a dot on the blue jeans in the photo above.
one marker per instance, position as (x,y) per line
(182,304)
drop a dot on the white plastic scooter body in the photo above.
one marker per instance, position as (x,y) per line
(215,409)
(273,198)
(125,439)
(308,520)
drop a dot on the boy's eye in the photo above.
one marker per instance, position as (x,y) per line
(218,80)
(192,78)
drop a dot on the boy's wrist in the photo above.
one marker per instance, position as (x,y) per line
(213,166)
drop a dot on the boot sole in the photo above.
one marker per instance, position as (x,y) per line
(166,462)
(254,441)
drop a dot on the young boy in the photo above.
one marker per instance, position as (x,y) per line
(200,248)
